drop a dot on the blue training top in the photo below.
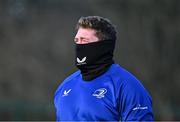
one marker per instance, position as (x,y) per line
(114,96)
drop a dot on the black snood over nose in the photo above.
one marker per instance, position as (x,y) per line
(94,59)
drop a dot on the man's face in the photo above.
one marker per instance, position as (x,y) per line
(85,36)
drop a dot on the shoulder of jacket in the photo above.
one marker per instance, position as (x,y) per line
(70,77)
(118,75)
(115,72)
(67,80)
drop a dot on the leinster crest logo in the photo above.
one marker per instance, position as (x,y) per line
(99,93)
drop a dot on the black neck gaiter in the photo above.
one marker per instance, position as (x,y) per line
(94,59)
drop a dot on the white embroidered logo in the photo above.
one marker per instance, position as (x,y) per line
(140,107)
(66,93)
(99,93)
(81,62)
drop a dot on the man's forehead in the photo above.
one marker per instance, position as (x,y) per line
(85,32)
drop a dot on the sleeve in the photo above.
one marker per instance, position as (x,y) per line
(56,104)
(135,102)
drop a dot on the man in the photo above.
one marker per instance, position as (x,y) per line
(101,90)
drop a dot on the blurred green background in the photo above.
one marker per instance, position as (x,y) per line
(37,51)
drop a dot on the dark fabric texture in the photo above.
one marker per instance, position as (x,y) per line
(94,59)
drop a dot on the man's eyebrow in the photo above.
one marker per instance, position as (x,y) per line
(76,38)
(83,38)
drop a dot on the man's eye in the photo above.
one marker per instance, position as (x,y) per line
(85,40)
